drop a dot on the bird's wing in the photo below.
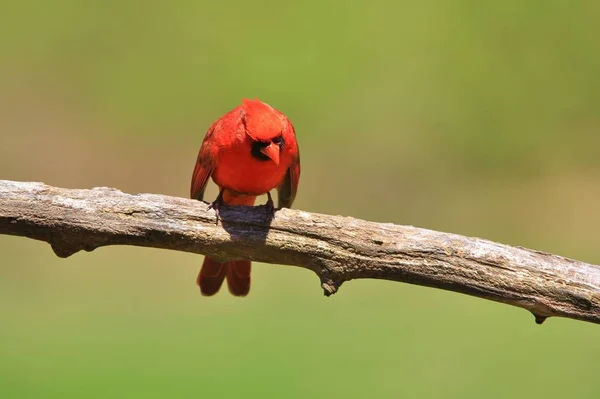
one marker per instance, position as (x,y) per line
(288,187)
(205,164)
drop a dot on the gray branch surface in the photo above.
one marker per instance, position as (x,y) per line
(336,248)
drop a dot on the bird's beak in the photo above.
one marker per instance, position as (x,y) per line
(272,151)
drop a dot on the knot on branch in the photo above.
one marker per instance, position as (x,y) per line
(329,286)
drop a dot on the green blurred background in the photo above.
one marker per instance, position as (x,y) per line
(479,118)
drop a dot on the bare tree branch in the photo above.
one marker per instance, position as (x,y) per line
(336,248)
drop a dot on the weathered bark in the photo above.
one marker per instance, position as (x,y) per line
(336,248)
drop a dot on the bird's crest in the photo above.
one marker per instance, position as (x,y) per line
(263,122)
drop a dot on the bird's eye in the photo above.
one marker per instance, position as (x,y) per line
(278,140)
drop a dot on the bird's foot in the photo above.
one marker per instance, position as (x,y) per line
(270,207)
(216,205)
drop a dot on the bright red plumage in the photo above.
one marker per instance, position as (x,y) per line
(248,152)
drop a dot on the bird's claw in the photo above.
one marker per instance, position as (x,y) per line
(216,205)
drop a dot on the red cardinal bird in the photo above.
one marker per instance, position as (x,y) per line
(248,152)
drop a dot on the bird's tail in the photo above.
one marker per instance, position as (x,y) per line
(213,273)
